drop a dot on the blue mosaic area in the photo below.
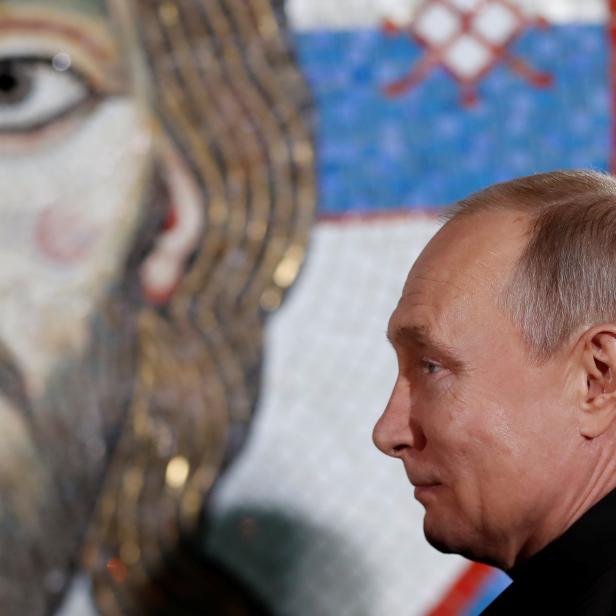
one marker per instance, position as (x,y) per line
(493,586)
(424,149)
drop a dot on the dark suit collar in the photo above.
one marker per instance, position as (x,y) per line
(582,552)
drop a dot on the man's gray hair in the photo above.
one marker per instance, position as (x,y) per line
(565,278)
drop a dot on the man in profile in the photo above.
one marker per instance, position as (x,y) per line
(504,405)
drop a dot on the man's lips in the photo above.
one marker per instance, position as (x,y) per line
(424,486)
(422,482)
(426,490)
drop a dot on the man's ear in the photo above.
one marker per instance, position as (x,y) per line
(598,408)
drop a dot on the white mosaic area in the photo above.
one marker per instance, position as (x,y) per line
(346,14)
(341,533)
(78,601)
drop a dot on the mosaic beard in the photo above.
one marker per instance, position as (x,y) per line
(53,470)
(56,465)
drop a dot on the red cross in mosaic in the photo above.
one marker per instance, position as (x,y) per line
(468,38)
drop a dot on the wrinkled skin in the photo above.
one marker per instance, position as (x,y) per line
(493,441)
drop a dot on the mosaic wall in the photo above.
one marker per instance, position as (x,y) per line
(191,361)
(157,173)
(418,102)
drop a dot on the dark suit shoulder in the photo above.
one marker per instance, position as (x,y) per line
(574,575)
(594,598)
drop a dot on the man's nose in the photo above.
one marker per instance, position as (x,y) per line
(395,432)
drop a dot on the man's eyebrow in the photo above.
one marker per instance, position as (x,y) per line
(419,336)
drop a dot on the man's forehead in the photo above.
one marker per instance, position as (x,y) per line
(435,299)
(459,275)
(471,252)
(444,280)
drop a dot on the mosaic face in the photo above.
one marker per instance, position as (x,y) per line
(154,212)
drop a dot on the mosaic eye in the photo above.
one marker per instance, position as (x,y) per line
(33,93)
(15,82)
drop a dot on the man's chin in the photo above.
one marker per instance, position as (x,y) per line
(445,540)
(438,542)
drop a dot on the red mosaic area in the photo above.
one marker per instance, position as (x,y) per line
(467,38)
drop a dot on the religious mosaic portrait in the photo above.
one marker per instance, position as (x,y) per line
(156,166)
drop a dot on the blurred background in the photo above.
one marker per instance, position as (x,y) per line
(482,92)
(209,208)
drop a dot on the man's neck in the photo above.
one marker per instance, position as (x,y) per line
(577,498)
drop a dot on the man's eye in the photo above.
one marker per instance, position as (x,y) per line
(429,367)
(33,93)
